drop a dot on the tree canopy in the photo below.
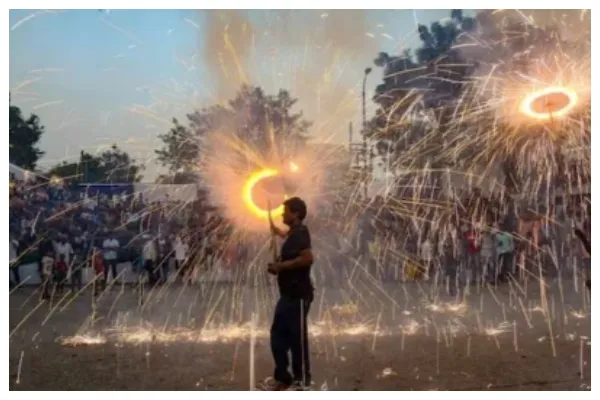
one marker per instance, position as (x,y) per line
(112,166)
(261,121)
(23,137)
(431,111)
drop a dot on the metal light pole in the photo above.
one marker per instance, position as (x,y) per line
(364,130)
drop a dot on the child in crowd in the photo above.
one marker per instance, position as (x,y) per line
(60,274)
(47,269)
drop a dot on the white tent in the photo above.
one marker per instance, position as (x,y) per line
(20,173)
(162,192)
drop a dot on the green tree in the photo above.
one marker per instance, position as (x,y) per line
(260,121)
(412,100)
(66,170)
(179,154)
(112,165)
(119,166)
(23,136)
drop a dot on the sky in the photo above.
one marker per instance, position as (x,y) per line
(98,77)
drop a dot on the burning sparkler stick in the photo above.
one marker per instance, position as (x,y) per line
(273,243)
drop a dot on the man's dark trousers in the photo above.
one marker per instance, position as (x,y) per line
(289,334)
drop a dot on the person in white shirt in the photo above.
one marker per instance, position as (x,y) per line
(47,270)
(110,248)
(181,249)
(149,255)
(64,248)
(426,257)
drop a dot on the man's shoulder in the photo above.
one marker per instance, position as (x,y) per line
(298,231)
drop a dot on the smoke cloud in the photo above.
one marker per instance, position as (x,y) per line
(322,68)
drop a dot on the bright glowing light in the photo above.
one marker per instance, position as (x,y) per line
(247,194)
(552,102)
(83,340)
(147,334)
(294,167)
(55,180)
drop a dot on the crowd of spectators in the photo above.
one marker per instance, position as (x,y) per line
(74,235)
(469,238)
(71,231)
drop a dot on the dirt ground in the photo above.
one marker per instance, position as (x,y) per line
(500,340)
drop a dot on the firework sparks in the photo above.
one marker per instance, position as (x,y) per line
(553,102)
(508,109)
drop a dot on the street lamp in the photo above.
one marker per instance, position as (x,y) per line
(364,127)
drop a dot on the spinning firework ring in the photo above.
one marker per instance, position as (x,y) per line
(247,196)
(253,180)
(549,103)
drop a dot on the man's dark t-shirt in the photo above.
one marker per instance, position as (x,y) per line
(296,282)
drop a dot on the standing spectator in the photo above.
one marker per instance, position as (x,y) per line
(77,274)
(164,257)
(14,262)
(365,232)
(47,269)
(488,250)
(46,245)
(585,243)
(149,254)
(60,273)
(181,250)
(64,250)
(426,257)
(110,247)
(98,266)
(473,247)
(504,251)
(78,262)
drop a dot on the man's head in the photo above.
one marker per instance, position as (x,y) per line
(294,211)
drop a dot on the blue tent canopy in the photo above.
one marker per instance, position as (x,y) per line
(108,189)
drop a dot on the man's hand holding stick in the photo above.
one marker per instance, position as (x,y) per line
(273,243)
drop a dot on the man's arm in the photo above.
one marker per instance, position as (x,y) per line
(305,259)
(584,240)
(275,230)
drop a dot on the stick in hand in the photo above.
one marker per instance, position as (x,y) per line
(273,243)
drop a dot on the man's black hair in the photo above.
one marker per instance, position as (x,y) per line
(297,206)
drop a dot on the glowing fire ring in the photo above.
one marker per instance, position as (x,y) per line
(247,193)
(552,102)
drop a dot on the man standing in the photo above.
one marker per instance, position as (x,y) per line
(14,263)
(78,262)
(289,329)
(164,257)
(504,251)
(149,255)
(64,250)
(111,249)
(588,248)
(181,250)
